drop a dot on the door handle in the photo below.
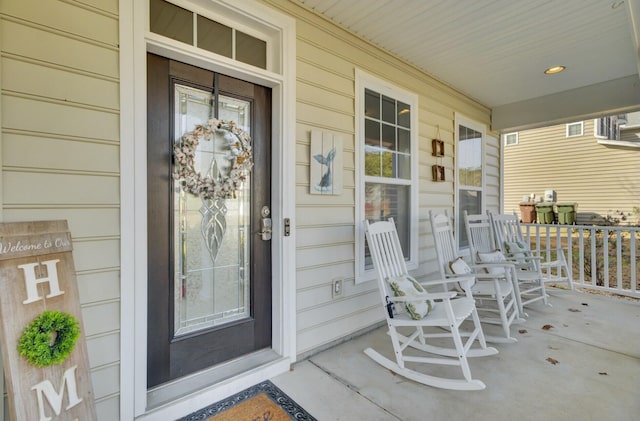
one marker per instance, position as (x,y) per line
(265,224)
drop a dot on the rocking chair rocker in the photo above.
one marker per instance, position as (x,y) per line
(407,305)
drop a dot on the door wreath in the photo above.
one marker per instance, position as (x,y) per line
(49,339)
(211,186)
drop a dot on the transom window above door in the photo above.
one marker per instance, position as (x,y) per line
(214,34)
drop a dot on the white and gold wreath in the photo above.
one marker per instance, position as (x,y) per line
(213,186)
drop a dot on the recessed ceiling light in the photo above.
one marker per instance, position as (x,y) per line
(554,70)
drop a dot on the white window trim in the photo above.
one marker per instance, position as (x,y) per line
(596,126)
(135,42)
(506,135)
(460,120)
(581,123)
(365,80)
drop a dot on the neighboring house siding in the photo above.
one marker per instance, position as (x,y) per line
(600,178)
(60,152)
(326,63)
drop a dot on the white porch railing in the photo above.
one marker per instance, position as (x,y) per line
(598,257)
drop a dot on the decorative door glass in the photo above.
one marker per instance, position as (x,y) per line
(211,237)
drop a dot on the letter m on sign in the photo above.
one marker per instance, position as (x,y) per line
(45,390)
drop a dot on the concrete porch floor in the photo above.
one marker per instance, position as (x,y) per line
(597,375)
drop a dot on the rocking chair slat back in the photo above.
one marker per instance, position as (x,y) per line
(480,234)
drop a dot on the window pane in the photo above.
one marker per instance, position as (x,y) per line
(388,169)
(372,150)
(469,157)
(171,21)
(388,110)
(404,166)
(372,133)
(404,115)
(383,201)
(388,137)
(214,37)
(371,104)
(404,141)
(251,50)
(470,201)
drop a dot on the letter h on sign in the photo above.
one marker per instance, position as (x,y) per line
(32,282)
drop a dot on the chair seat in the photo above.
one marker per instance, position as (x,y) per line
(487,287)
(527,275)
(462,308)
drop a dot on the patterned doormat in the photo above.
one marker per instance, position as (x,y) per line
(262,402)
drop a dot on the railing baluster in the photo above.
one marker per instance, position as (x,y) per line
(570,252)
(632,245)
(547,247)
(558,249)
(581,254)
(619,240)
(598,265)
(594,265)
(605,254)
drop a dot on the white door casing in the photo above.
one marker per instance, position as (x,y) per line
(135,42)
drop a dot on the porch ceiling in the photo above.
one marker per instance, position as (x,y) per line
(496,51)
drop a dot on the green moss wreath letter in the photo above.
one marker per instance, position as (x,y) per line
(49,339)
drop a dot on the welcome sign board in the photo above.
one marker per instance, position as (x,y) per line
(44,347)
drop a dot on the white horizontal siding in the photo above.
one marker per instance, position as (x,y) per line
(327,58)
(28,77)
(45,188)
(103,349)
(60,153)
(29,39)
(37,152)
(66,16)
(83,222)
(317,275)
(33,114)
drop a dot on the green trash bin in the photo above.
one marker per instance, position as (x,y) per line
(545,212)
(566,213)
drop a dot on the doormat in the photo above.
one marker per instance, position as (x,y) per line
(261,402)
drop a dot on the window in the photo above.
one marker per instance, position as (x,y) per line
(469,157)
(511,139)
(607,128)
(387,166)
(574,129)
(177,23)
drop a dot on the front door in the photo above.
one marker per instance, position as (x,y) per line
(209,268)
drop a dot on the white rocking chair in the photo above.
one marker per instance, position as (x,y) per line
(494,289)
(507,230)
(447,313)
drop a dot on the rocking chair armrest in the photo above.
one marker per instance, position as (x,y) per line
(426,296)
(492,276)
(450,279)
(556,262)
(513,259)
(442,295)
(487,265)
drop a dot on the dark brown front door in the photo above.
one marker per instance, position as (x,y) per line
(209,271)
